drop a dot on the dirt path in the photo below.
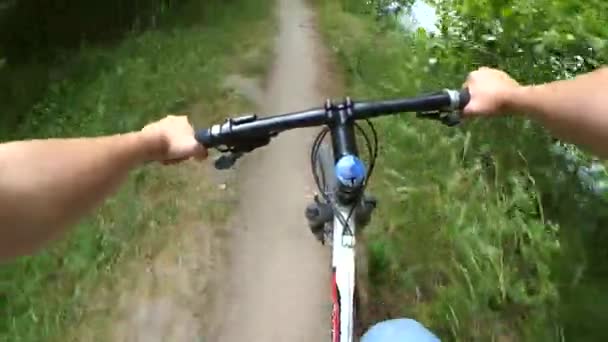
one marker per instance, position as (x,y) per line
(278,281)
(274,283)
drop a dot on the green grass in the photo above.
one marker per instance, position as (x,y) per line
(480,233)
(104,90)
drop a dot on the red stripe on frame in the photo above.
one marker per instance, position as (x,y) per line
(335,314)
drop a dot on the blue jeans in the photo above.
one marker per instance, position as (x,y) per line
(399,330)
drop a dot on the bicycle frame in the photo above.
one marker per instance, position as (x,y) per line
(241,135)
(343,280)
(343,247)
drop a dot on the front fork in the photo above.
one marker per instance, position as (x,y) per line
(320,215)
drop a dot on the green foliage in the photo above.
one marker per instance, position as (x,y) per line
(109,89)
(556,38)
(482,233)
(32,29)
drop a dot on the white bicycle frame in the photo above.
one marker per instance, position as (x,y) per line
(340,119)
(343,278)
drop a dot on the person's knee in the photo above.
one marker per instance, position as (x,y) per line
(399,330)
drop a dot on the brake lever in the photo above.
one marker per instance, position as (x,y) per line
(452,119)
(231,154)
(449,119)
(227,161)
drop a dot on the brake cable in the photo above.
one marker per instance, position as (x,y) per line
(372,149)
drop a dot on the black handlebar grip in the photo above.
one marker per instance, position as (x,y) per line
(204,138)
(464,98)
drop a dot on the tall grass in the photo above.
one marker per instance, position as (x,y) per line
(109,89)
(481,233)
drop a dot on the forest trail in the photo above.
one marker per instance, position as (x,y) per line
(277,284)
(263,276)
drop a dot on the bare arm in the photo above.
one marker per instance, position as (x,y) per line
(574,110)
(48,185)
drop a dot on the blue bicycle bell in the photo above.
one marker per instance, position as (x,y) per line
(350,171)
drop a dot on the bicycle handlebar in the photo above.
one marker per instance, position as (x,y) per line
(448,99)
(249,132)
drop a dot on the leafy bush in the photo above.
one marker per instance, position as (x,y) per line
(482,232)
